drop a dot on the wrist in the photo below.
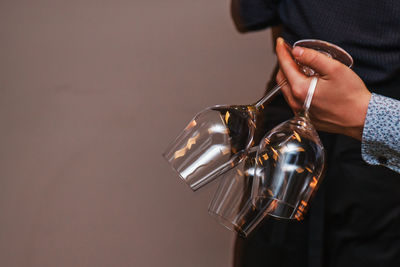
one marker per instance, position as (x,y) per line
(359,115)
(354,132)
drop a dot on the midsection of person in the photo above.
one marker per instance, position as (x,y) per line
(367,29)
(362,204)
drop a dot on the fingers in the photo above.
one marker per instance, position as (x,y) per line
(287,92)
(319,62)
(290,69)
(288,66)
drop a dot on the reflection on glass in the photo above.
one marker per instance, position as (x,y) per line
(216,140)
(290,163)
(231,205)
(213,142)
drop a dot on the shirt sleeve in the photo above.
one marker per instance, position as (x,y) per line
(251,15)
(381,134)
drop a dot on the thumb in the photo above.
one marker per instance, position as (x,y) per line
(319,62)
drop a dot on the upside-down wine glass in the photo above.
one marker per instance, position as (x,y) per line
(232,205)
(215,140)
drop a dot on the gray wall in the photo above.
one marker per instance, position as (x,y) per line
(91,92)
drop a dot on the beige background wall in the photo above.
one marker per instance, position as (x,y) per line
(91,92)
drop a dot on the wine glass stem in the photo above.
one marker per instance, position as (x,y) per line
(310,94)
(271,93)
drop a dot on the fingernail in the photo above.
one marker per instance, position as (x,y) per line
(280,40)
(297,51)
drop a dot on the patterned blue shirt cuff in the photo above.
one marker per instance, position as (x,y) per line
(381,134)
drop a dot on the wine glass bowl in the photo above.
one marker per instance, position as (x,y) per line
(215,139)
(232,204)
(212,143)
(290,163)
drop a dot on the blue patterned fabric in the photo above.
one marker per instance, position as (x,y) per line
(381,135)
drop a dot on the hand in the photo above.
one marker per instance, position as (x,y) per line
(341,98)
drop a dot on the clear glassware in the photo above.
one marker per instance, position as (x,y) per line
(231,205)
(290,163)
(215,140)
(291,157)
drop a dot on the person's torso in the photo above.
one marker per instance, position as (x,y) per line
(368,29)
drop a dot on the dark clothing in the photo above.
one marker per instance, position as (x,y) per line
(354,219)
(368,29)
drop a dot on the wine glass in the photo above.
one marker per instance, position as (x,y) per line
(232,205)
(291,157)
(216,139)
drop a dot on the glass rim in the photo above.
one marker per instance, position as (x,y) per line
(328,44)
(227,223)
